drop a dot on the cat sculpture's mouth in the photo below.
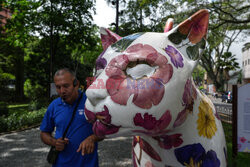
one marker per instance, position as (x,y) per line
(101,122)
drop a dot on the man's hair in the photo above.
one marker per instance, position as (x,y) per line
(65,70)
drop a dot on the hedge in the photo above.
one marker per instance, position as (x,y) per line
(20,121)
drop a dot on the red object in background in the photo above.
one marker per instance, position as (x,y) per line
(4,15)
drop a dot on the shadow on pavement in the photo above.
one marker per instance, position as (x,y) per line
(25,149)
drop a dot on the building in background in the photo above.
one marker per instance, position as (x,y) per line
(4,15)
(246,63)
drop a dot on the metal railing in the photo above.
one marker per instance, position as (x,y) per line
(225,111)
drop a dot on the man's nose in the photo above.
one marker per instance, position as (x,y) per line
(62,90)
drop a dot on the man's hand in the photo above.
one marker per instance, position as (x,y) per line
(60,144)
(87,146)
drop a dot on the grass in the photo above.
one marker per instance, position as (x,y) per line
(242,159)
(18,105)
(18,108)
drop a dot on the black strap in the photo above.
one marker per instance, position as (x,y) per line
(74,112)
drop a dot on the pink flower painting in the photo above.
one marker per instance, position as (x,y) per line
(121,86)
(188,98)
(243,139)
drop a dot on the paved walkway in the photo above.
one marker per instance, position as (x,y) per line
(24,149)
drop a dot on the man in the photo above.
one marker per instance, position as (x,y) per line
(79,147)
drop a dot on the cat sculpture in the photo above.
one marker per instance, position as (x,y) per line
(144,88)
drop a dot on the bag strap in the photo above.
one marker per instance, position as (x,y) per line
(74,112)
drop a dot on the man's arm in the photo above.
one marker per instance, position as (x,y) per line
(87,146)
(47,138)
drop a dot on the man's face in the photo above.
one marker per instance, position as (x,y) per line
(65,88)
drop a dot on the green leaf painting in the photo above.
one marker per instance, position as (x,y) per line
(193,52)
(122,44)
(176,37)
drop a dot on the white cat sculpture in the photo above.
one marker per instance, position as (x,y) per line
(144,88)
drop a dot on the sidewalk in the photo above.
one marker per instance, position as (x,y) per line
(25,149)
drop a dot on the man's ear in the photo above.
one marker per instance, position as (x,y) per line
(190,35)
(108,37)
(75,82)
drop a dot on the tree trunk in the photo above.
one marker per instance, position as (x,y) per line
(19,74)
(117,17)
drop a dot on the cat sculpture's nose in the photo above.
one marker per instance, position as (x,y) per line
(96,96)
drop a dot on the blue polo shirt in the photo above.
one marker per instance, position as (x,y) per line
(58,115)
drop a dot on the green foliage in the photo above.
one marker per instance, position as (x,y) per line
(19,121)
(3,108)
(242,159)
(67,38)
(201,87)
(65,17)
(6,79)
(38,103)
(228,61)
(14,39)
(36,95)
(33,91)
(135,14)
(19,117)
(225,16)
(198,75)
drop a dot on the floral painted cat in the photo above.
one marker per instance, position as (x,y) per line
(144,88)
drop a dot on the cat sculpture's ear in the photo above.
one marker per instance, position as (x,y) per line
(169,25)
(108,37)
(190,35)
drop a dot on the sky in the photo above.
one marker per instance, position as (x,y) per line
(105,15)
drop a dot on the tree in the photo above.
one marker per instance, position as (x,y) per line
(67,19)
(234,12)
(38,29)
(116,4)
(144,15)
(135,14)
(14,39)
(198,75)
(217,60)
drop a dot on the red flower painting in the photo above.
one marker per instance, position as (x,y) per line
(146,147)
(102,127)
(151,124)
(169,141)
